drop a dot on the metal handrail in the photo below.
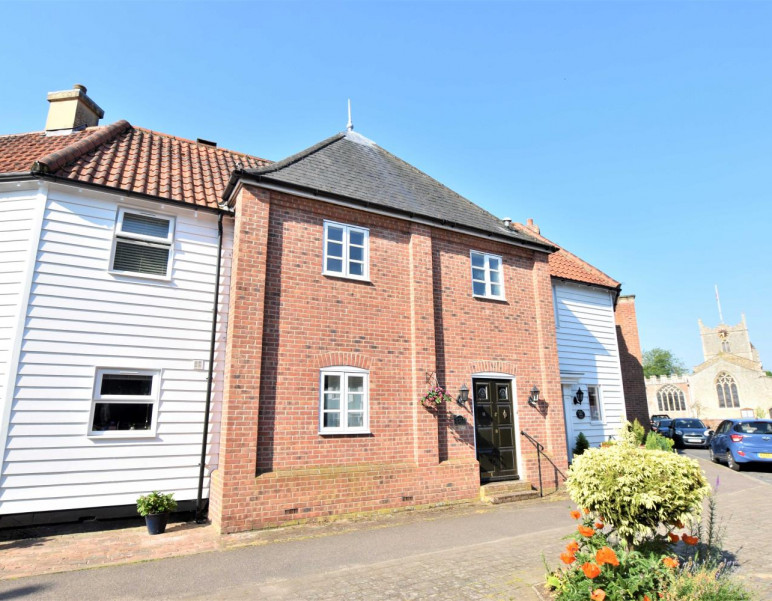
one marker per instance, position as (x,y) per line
(539,452)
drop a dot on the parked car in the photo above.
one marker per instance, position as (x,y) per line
(739,441)
(658,417)
(689,432)
(662,427)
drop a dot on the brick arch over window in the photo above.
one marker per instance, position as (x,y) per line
(340,358)
(726,389)
(493,367)
(671,398)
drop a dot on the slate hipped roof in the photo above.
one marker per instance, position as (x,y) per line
(351,167)
(126,159)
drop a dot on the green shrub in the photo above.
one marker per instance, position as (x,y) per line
(702,583)
(639,432)
(582,444)
(636,490)
(657,442)
(156,502)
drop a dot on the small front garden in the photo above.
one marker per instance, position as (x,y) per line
(639,534)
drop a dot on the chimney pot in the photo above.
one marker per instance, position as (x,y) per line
(532,226)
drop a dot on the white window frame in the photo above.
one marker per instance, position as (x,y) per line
(347,229)
(599,398)
(168,242)
(487,275)
(152,399)
(344,372)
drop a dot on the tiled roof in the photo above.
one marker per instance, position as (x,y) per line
(568,266)
(351,166)
(127,158)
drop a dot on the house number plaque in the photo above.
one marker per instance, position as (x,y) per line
(580,414)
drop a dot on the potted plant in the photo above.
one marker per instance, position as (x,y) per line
(436,396)
(155,508)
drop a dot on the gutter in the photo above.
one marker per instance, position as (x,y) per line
(201,508)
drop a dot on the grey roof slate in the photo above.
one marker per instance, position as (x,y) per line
(352,166)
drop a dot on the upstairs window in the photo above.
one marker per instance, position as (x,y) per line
(143,244)
(124,402)
(487,280)
(344,406)
(346,251)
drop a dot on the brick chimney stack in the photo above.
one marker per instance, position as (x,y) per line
(532,226)
(71,110)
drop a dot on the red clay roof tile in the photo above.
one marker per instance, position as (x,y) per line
(130,159)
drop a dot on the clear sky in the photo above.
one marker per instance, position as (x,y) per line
(638,135)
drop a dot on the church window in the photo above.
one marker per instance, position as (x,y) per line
(726,388)
(671,398)
(725,346)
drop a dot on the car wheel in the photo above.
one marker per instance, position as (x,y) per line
(713,456)
(733,465)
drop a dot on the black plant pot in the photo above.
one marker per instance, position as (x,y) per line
(156,522)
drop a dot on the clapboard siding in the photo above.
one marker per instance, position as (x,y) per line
(17,225)
(589,354)
(81,317)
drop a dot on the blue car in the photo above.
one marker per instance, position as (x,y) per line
(739,441)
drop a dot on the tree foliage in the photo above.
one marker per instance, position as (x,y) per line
(661,362)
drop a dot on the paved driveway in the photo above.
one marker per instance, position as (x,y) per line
(759,471)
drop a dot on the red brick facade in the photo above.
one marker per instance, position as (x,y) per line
(631,359)
(415,318)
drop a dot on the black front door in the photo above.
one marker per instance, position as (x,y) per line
(495,430)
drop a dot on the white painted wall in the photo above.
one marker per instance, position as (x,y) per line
(588,353)
(80,317)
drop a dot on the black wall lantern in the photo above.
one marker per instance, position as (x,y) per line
(463,395)
(533,400)
(578,397)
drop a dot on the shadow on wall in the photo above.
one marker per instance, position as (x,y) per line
(633,383)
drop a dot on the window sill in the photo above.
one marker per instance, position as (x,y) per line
(141,276)
(499,299)
(341,276)
(345,433)
(121,434)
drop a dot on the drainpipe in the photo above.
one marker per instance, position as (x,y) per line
(200,509)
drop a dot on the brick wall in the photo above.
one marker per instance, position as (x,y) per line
(631,358)
(414,319)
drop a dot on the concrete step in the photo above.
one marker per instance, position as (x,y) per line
(507,492)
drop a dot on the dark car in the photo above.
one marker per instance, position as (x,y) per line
(658,417)
(689,432)
(661,427)
(739,441)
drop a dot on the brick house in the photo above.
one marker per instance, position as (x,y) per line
(350,283)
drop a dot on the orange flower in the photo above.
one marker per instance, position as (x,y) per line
(586,531)
(567,557)
(575,514)
(673,537)
(598,595)
(572,547)
(586,511)
(689,540)
(599,525)
(606,555)
(591,570)
(646,598)
(670,562)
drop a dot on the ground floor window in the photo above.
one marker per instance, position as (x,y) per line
(593,399)
(124,402)
(344,403)
(671,398)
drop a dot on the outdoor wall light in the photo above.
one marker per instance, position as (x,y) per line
(463,395)
(533,400)
(578,397)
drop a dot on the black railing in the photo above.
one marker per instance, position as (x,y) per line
(539,452)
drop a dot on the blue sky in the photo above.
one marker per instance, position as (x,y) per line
(637,135)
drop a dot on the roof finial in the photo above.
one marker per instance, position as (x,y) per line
(349,125)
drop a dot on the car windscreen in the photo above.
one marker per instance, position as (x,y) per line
(689,423)
(754,428)
(665,423)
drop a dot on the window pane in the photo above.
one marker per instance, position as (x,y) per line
(334,249)
(356,238)
(494,263)
(495,290)
(478,274)
(479,288)
(355,402)
(356,384)
(478,260)
(122,416)
(332,383)
(495,276)
(356,420)
(356,253)
(140,258)
(335,233)
(145,225)
(335,265)
(126,385)
(356,269)
(332,400)
(332,420)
